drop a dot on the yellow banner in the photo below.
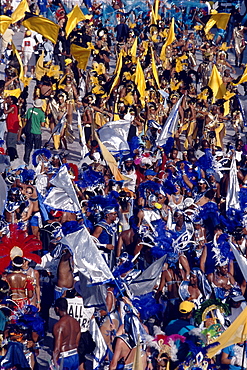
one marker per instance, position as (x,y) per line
(5,22)
(154,69)
(44,26)
(73,18)
(140,81)
(117,70)
(216,84)
(110,160)
(170,38)
(235,333)
(19,12)
(242,79)
(80,54)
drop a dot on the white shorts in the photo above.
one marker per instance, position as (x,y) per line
(26,57)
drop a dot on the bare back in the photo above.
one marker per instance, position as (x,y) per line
(65,272)
(67,333)
(17,283)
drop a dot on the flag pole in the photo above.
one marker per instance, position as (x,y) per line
(242,367)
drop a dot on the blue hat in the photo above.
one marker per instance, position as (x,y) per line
(150,173)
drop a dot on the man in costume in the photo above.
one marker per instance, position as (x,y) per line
(67,334)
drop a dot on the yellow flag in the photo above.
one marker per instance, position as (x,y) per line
(16,53)
(116,116)
(138,363)
(44,26)
(5,22)
(235,333)
(228,95)
(170,38)
(74,17)
(19,12)
(224,46)
(156,8)
(220,19)
(80,54)
(40,70)
(133,49)
(242,79)
(110,160)
(153,17)
(216,84)
(154,69)
(117,71)
(210,23)
(198,27)
(140,81)
(15,92)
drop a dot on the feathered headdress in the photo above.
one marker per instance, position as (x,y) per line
(222,250)
(40,153)
(147,306)
(167,347)
(18,243)
(232,220)
(150,186)
(90,178)
(27,175)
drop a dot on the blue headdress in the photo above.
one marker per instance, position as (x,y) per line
(206,160)
(210,211)
(163,242)
(97,203)
(90,178)
(152,186)
(243,198)
(232,220)
(222,250)
(40,152)
(27,175)
(147,306)
(168,187)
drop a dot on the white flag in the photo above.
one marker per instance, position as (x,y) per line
(84,150)
(87,257)
(241,260)
(63,195)
(114,135)
(232,200)
(170,125)
(145,282)
(101,347)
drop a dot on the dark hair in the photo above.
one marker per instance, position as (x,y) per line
(61,304)
(14,99)
(30,187)
(17,261)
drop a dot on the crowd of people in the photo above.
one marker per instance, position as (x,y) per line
(138,250)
